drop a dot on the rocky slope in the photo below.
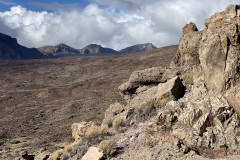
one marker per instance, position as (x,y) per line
(188,111)
(138,48)
(10,49)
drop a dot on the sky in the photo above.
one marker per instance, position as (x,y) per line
(111,23)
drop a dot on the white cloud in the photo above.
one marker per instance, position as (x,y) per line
(116,24)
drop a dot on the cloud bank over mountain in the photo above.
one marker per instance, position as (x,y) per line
(114,24)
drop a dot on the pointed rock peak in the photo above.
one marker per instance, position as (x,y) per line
(190,27)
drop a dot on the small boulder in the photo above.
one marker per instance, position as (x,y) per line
(93,153)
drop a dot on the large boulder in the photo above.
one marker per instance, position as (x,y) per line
(147,77)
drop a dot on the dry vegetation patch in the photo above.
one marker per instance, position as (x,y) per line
(118,122)
(108,147)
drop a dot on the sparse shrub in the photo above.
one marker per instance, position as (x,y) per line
(57,154)
(103,129)
(118,123)
(157,102)
(188,78)
(68,148)
(108,147)
(92,132)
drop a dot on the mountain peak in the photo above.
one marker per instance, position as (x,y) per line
(97,49)
(60,50)
(138,48)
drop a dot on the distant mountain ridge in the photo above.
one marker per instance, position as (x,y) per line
(92,49)
(10,49)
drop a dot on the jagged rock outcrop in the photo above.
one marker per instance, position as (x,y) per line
(215,49)
(188,47)
(207,120)
(203,120)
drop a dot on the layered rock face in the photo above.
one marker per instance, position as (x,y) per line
(206,119)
